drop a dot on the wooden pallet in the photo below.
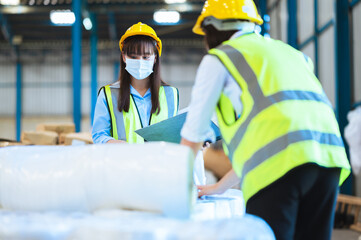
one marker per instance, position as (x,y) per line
(350,205)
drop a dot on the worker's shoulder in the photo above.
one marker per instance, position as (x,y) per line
(115,85)
(169,87)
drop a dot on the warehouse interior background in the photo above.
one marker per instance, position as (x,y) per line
(51,73)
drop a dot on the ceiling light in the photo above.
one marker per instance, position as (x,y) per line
(10,2)
(62,17)
(17,39)
(174,1)
(164,16)
(87,23)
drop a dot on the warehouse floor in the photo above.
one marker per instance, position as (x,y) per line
(345,234)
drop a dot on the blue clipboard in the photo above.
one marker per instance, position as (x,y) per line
(169,130)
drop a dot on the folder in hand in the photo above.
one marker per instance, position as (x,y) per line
(169,130)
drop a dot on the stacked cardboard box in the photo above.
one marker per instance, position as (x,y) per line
(52,134)
(39,138)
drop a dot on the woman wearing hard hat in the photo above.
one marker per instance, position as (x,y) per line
(140,97)
(277,125)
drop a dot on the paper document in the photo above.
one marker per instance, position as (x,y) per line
(169,130)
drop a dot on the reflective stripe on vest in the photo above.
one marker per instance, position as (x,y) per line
(123,124)
(263,102)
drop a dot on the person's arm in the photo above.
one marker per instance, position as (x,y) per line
(101,123)
(195,146)
(210,79)
(228,181)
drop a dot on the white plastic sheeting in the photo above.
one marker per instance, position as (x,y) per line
(218,217)
(199,174)
(353,138)
(154,177)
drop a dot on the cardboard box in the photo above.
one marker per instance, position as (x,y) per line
(56,127)
(39,137)
(8,144)
(78,138)
(62,138)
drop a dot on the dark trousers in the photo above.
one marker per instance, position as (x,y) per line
(301,204)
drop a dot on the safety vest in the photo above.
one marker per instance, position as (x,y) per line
(124,124)
(287,119)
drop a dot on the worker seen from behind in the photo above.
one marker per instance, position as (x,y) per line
(278,127)
(140,97)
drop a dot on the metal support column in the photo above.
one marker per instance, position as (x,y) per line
(76,51)
(263,11)
(316,36)
(292,27)
(94,64)
(343,73)
(18,99)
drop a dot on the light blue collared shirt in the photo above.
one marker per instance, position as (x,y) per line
(101,124)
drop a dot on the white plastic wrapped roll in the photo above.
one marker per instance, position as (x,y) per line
(353,138)
(153,177)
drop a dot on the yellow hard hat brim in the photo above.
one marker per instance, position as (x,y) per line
(197,28)
(125,36)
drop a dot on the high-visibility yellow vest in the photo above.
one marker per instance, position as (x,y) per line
(287,119)
(124,124)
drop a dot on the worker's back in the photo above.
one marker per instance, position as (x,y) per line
(287,119)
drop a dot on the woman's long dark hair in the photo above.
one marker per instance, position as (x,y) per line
(139,45)
(214,38)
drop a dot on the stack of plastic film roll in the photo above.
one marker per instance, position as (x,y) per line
(152,177)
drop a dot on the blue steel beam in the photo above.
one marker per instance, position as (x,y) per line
(76,56)
(116,70)
(316,37)
(18,99)
(94,64)
(263,12)
(353,3)
(6,29)
(318,32)
(343,74)
(292,34)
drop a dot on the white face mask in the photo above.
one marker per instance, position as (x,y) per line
(139,68)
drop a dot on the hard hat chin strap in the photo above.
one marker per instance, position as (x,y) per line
(228,24)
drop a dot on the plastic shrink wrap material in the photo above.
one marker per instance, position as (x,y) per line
(127,225)
(353,138)
(199,174)
(153,177)
(216,217)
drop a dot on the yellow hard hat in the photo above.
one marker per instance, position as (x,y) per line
(141,29)
(228,9)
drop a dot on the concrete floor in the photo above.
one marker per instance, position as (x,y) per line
(345,234)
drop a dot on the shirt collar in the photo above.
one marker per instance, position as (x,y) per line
(247,27)
(135,92)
